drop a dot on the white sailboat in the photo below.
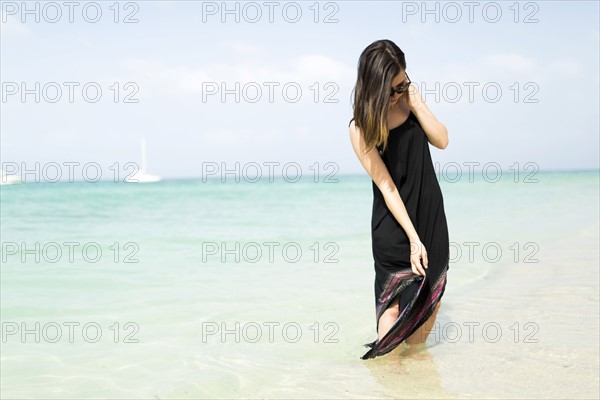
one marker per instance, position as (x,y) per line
(142,176)
(8,179)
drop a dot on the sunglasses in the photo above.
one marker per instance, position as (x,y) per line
(402,87)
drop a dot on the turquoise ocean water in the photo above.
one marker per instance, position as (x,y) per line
(192,289)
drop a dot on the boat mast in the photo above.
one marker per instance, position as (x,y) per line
(143,154)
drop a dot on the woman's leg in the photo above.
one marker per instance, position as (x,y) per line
(387,319)
(420,335)
(390,315)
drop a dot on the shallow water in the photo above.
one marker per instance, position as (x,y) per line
(523,275)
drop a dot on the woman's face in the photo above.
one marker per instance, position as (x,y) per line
(398,80)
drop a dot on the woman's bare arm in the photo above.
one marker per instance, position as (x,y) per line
(378,172)
(436,132)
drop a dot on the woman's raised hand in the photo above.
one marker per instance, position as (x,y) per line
(412,97)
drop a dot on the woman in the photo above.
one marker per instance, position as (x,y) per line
(390,132)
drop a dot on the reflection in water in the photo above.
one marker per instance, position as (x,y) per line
(409,371)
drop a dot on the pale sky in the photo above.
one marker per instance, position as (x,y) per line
(175,58)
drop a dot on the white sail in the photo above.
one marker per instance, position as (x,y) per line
(144,165)
(8,179)
(142,175)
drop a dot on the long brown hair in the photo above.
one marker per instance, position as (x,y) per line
(378,64)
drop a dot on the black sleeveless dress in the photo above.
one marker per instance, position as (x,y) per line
(409,163)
